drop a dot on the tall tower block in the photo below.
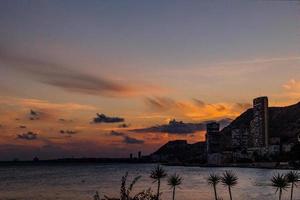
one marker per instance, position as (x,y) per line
(213,137)
(260,122)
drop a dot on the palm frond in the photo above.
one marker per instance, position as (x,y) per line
(158,173)
(213,179)
(174,180)
(229,179)
(279,181)
(292,177)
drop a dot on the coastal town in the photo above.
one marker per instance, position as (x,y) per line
(251,139)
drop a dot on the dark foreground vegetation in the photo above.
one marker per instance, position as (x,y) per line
(281,183)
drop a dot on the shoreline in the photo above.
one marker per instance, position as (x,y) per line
(236,165)
(264,165)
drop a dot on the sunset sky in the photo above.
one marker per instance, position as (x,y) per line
(140,63)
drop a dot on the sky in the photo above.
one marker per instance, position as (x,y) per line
(140,64)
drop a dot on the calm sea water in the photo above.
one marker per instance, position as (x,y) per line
(79,182)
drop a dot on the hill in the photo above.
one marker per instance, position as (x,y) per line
(284,122)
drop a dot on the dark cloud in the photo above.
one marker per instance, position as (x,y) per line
(65,120)
(115,133)
(175,127)
(199,103)
(126,139)
(123,125)
(101,118)
(131,140)
(34,115)
(179,127)
(59,76)
(68,132)
(27,136)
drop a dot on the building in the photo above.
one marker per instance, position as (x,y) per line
(259,126)
(240,139)
(213,138)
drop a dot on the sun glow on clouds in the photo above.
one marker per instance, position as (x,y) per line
(53,117)
(195,109)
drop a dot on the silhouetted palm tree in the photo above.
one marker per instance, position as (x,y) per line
(292,177)
(213,180)
(229,179)
(279,181)
(157,174)
(174,181)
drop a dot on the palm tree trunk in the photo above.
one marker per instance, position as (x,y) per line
(158,188)
(215,190)
(229,189)
(280,192)
(292,190)
(174,193)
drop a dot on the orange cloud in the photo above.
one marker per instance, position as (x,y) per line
(196,109)
(42,104)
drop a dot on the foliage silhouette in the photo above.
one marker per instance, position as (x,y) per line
(213,180)
(229,179)
(174,181)
(280,182)
(125,192)
(157,174)
(292,177)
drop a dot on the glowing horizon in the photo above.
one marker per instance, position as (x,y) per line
(146,62)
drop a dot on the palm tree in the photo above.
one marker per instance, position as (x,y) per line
(174,181)
(157,174)
(292,177)
(213,180)
(229,179)
(279,181)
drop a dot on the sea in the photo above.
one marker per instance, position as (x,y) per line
(81,181)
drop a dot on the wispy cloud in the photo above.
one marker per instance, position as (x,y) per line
(195,109)
(131,140)
(71,80)
(230,69)
(43,104)
(262,60)
(291,91)
(126,139)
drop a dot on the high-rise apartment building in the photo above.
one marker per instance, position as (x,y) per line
(260,124)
